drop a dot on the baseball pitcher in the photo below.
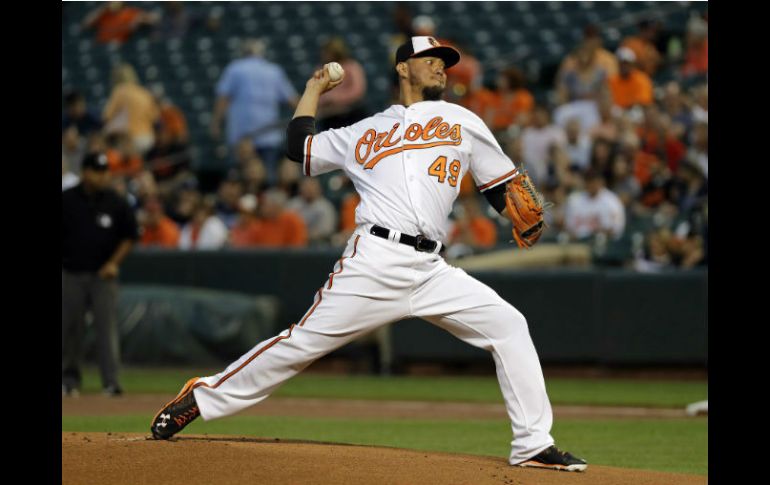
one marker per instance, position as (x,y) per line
(406,164)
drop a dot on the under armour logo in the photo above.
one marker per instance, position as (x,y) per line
(164,417)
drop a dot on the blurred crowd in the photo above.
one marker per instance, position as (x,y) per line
(619,144)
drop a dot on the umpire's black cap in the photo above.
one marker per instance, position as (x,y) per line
(96,161)
(424,46)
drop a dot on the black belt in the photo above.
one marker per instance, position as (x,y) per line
(419,242)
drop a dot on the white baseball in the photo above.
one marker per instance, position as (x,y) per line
(335,71)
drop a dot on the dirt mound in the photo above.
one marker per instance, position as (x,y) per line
(123,458)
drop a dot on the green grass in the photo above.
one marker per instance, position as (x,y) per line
(606,392)
(672,445)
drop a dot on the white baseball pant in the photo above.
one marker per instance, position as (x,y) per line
(379,281)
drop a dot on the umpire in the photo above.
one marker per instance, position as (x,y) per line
(98,231)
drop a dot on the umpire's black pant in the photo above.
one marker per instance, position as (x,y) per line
(81,292)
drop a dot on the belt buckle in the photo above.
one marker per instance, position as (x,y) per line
(425,249)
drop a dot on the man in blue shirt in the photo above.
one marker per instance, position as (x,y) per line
(251,92)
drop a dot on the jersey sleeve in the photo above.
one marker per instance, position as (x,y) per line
(490,166)
(326,151)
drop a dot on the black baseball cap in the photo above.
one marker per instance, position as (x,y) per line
(425,46)
(96,161)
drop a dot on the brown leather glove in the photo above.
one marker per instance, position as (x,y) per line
(526,208)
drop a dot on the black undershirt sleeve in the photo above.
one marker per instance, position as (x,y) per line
(299,128)
(496,197)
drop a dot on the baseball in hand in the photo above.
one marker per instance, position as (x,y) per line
(335,71)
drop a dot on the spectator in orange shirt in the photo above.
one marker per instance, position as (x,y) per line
(656,190)
(122,156)
(471,231)
(115,22)
(477,101)
(277,226)
(631,86)
(658,138)
(643,45)
(157,228)
(511,104)
(472,227)
(172,121)
(348,211)
(242,232)
(347,219)
(645,165)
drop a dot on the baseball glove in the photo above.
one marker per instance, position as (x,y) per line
(526,208)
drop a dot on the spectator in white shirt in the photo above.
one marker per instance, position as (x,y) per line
(594,210)
(205,230)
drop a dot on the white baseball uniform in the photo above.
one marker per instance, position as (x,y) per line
(406,164)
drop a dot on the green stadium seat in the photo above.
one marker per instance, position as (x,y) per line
(423,8)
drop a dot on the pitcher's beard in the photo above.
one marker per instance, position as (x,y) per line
(432,93)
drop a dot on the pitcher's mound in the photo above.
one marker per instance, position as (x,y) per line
(125,458)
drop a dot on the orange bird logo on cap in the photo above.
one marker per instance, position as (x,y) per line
(433,42)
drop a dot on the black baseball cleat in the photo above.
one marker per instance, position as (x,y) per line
(555,459)
(177,414)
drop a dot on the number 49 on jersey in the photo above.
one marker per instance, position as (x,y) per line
(438,169)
